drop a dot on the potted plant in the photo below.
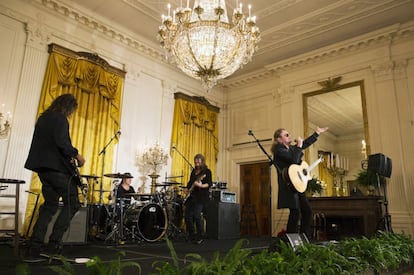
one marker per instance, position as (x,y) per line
(314,187)
(368,180)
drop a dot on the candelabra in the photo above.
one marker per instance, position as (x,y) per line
(338,174)
(152,161)
(4,126)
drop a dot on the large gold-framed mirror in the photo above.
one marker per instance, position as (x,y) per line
(342,108)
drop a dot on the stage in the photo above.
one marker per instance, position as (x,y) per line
(144,253)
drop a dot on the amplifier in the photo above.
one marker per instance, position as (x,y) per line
(223,196)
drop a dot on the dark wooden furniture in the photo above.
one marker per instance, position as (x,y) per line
(339,217)
(15,213)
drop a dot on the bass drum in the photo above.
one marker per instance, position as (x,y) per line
(152,222)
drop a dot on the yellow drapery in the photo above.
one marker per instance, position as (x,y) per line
(195,130)
(97,87)
(324,174)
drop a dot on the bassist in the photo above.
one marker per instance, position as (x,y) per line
(284,155)
(49,156)
(197,199)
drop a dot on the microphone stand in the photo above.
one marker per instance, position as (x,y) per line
(250,133)
(103,152)
(175,148)
(271,162)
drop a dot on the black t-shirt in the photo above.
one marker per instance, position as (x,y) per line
(122,193)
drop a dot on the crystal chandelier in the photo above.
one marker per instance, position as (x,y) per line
(204,44)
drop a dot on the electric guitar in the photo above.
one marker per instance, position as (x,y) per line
(74,171)
(192,188)
(297,176)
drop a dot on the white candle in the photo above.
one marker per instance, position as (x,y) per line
(329,162)
(250,10)
(188,3)
(169,9)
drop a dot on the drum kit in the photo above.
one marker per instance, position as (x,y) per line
(138,217)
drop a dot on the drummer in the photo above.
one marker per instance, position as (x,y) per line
(124,189)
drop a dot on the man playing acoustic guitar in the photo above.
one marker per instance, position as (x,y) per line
(284,155)
(197,198)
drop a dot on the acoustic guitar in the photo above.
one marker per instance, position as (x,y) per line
(297,176)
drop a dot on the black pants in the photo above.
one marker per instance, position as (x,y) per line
(55,185)
(192,216)
(302,212)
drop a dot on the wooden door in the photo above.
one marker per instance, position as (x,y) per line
(255,194)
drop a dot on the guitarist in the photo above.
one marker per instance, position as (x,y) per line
(50,154)
(197,198)
(284,155)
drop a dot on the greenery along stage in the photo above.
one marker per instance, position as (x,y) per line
(383,252)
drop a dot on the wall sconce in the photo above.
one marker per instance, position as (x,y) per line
(4,125)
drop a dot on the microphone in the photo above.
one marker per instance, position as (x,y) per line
(250,132)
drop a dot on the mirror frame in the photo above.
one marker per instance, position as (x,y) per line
(332,85)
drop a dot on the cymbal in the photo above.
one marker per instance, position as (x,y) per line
(103,191)
(174,177)
(170,182)
(90,176)
(13,181)
(119,176)
(139,194)
(161,185)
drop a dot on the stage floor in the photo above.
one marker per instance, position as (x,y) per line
(144,253)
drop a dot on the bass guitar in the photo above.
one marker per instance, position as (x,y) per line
(297,176)
(74,171)
(190,191)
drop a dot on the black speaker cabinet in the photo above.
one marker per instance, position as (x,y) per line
(294,240)
(77,231)
(380,164)
(223,220)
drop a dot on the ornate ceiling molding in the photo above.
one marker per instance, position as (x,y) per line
(392,34)
(337,14)
(74,15)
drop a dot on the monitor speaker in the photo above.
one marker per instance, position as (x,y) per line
(294,240)
(223,220)
(76,232)
(380,164)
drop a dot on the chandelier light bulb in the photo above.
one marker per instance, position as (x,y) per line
(204,44)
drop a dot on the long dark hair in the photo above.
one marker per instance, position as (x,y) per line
(65,104)
(276,135)
(203,161)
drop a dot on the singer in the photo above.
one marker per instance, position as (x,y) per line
(284,155)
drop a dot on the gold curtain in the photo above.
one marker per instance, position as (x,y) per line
(324,174)
(195,130)
(97,87)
